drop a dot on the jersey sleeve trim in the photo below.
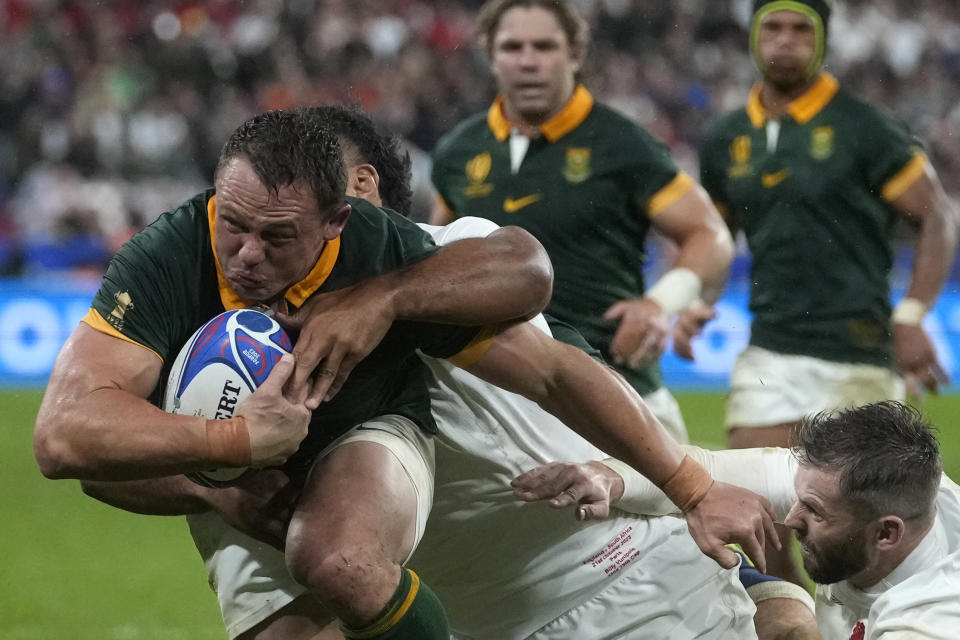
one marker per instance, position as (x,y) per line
(480,344)
(669,194)
(910,173)
(95,321)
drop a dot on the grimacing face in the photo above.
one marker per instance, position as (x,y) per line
(786,43)
(533,63)
(266,243)
(833,543)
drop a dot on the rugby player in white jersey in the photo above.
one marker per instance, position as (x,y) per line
(877,519)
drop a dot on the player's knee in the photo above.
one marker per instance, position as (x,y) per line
(335,573)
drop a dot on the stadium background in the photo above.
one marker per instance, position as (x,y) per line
(112,112)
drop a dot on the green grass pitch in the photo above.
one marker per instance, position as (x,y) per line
(76,569)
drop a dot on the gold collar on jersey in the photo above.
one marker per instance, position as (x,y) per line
(295,295)
(802,109)
(569,118)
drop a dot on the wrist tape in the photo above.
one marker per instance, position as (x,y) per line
(228,442)
(688,484)
(675,290)
(909,311)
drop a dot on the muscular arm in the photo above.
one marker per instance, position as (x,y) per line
(95,423)
(475,281)
(925,203)
(705,253)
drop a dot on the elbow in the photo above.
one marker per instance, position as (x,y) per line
(536,272)
(53,452)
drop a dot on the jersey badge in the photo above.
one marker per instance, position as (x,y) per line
(577,168)
(511,205)
(477,169)
(770,180)
(124,304)
(740,151)
(821,143)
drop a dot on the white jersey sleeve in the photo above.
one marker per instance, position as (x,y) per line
(768,472)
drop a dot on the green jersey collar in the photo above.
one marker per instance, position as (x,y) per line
(802,109)
(569,118)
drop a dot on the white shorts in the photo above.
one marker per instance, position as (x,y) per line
(769,388)
(664,406)
(672,592)
(251,579)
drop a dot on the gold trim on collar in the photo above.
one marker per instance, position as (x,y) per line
(569,118)
(295,295)
(802,109)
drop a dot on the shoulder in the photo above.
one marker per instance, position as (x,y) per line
(619,127)
(179,227)
(466,132)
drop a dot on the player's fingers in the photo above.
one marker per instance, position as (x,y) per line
(343,372)
(323,378)
(683,348)
(615,311)
(650,349)
(593,511)
(754,550)
(770,529)
(565,498)
(939,372)
(280,374)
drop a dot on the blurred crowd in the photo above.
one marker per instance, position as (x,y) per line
(113,111)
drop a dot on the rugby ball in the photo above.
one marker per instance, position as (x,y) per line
(221,364)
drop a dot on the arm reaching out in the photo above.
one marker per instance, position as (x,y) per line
(596,403)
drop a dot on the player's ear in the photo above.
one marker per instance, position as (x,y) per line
(335,222)
(365,183)
(889,532)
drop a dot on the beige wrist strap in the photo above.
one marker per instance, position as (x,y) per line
(228,442)
(909,311)
(688,484)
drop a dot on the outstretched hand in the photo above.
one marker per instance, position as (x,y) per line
(337,331)
(689,325)
(591,486)
(917,359)
(729,514)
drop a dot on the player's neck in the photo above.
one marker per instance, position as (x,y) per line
(528,124)
(884,564)
(776,100)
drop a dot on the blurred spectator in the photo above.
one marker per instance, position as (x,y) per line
(100,99)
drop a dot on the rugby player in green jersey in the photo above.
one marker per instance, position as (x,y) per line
(354,519)
(589,184)
(816,178)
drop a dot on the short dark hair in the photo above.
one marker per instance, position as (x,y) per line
(363,143)
(887,457)
(572,23)
(290,148)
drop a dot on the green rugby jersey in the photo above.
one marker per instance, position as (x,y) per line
(586,188)
(165,283)
(813,206)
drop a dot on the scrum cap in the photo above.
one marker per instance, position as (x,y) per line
(817,10)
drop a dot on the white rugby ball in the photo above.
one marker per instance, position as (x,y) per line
(221,364)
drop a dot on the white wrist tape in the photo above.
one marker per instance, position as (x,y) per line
(909,311)
(631,478)
(675,290)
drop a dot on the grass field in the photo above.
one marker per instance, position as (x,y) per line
(74,569)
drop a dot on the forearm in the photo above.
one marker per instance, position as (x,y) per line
(168,496)
(708,252)
(110,434)
(767,472)
(599,405)
(504,276)
(933,254)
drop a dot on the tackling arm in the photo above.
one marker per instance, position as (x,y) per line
(95,422)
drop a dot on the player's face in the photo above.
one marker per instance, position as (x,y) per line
(786,42)
(533,64)
(267,242)
(832,542)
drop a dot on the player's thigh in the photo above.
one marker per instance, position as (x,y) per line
(769,388)
(372,488)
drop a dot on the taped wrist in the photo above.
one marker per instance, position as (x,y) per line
(675,290)
(909,311)
(228,442)
(688,484)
